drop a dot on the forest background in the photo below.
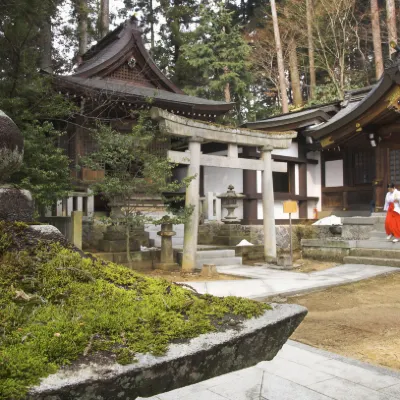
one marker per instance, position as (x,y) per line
(266,56)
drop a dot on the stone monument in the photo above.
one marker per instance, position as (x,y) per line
(15,204)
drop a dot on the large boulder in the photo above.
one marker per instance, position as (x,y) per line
(11,147)
(16,205)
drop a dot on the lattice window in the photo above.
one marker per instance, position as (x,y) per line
(364,167)
(90,146)
(394,166)
(125,73)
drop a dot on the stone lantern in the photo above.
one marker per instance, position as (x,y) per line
(229,200)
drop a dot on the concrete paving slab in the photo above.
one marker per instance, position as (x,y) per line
(266,282)
(392,390)
(340,389)
(300,356)
(277,388)
(293,372)
(247,387)
(293,375)
(353,373)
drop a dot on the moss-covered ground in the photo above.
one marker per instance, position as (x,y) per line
(57,306)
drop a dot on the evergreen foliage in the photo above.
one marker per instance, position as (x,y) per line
(218,55)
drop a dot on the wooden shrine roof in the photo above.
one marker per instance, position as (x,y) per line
(119,67)
(366,112)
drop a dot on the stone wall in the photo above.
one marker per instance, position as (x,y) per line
(92,233)
(255,234)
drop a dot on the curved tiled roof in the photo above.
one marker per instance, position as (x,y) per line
(123,90)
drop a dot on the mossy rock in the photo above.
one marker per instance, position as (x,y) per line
(11,147)
(60,308)
(16,205)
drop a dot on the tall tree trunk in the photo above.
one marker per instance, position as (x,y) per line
(391,23)
(104,17)
(82,28)
(294,74)
(279,56)
(313,77)
(46,42)
(152,39)
(376,38)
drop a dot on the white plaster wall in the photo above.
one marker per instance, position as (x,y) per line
(278,211)
(296,179)
(292,151)
(334,173)
(217,180)
(314,183)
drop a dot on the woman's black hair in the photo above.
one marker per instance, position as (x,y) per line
(391,186)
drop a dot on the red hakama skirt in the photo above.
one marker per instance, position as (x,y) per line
(392,223)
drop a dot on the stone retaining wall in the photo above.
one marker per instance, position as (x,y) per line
(255,234)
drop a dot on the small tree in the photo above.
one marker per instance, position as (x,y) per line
(133,169)
(45,168)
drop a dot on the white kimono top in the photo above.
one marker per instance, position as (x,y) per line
(390,198)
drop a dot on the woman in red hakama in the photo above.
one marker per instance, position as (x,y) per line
(392,223)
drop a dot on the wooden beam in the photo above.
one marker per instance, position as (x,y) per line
(296,160)
(282,196)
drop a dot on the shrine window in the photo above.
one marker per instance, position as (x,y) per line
(364,167)
(281,182)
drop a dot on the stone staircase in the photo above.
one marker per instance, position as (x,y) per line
(217,257)
(377,250)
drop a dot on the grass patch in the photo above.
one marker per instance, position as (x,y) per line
(57,307)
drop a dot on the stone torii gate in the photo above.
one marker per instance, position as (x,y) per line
(199,132)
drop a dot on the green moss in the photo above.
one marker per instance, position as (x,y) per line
(56,307)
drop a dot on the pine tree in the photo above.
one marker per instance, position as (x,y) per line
(217,50)
(27,96)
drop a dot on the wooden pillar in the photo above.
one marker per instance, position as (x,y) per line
(303,209)
(250,214)
(381,176)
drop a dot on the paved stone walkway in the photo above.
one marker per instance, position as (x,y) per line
(268,282)
(298,372)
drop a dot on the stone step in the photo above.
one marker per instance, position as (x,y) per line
(387,262)
(380,227)
(219,261)
(377,244)
(215,253)
(377,235)
(377,253)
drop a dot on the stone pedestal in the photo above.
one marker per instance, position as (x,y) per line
(209,270)
(231,235)
(167,261)
(114,239)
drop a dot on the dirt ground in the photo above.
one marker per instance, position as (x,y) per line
(303,265)
(178,277)
(360,320)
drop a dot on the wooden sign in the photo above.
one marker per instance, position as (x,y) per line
(290,207)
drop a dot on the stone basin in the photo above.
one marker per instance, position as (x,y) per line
(198,359)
